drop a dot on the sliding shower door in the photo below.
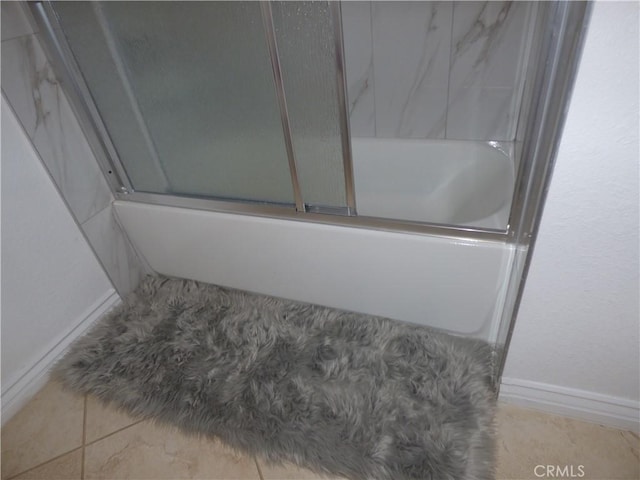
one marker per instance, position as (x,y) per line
(194,100)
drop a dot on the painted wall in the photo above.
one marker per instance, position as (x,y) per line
(577,329)
(52,284)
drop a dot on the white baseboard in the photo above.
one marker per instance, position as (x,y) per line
(569,402)
(27,382)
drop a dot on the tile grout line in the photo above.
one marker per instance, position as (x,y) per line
(258,467)
(81,447)
(115,431)
(373,72)
(446,111)
(95,214)
(21,35)
(43,463)
(84,436)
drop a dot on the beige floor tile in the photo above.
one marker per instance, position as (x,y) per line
(529,441)
(290,472)
(47,427)
(148,451)
(67,467)
(103,420)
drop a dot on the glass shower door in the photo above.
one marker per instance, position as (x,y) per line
(186,92)
(218,100)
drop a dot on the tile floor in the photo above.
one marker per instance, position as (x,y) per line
(80,439)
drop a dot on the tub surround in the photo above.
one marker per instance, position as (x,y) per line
(36,96)
(410,66)
(452,72)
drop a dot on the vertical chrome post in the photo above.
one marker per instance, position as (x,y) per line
(341,84)
(267,19)
(565,32)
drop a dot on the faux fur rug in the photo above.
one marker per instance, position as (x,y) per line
(340,393)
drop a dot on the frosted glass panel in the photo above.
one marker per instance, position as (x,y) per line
(186,91)
(305,37)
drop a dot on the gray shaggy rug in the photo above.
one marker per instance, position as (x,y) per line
(337,392)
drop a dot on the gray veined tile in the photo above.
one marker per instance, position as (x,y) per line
(487,38)
(24,70)
(14,20)
(358,49)
(114,251)
(411,46)
(488,44)
(481,114)
(35,94)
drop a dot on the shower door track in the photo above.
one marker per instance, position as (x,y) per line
(288,212)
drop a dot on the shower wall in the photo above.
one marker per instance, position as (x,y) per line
(436,70)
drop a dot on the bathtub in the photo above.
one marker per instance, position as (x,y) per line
(447,182)
(454,284)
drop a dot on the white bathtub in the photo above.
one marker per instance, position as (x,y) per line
(447,182)
(453,284)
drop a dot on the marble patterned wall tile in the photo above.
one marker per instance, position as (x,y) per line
(115,252)
(37,98)
(411,43)
(14,20)
(484,113)
(486,51)
(358,49)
